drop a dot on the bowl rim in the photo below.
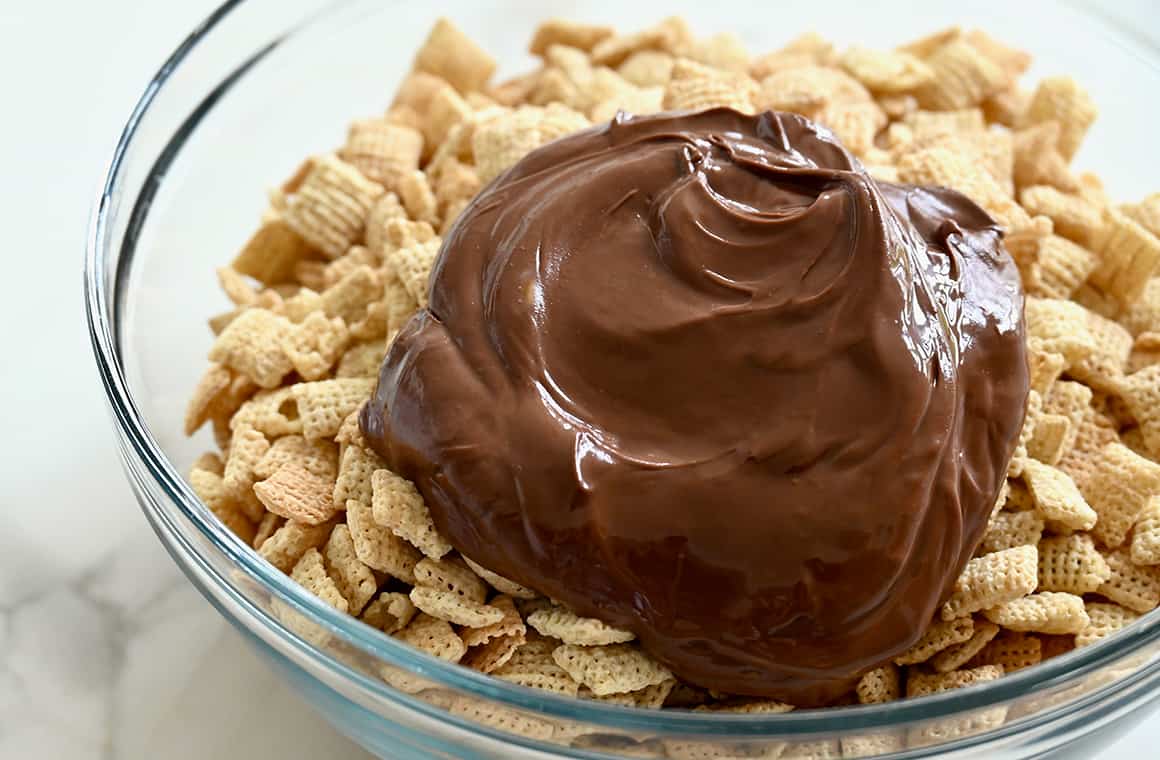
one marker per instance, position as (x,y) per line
(139,441)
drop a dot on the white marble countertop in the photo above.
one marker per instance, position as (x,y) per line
(105,651)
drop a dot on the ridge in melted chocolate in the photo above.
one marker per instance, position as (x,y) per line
(700,376)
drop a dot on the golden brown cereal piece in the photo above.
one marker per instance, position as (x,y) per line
(939,636)
(500,142)
(809,49)
(955,657)
(296,494)
(1118,489)
(390,612)
(329,208)
(1136,587)
(1105,619)
(571,33)
(919,684)
(210,462)
(669,35)
(509,626)
(499,583)
(355,468)
(1103,369)
(940,165)
(1071,564)
(1094,431)
(272,253)
(1146,535)
(886,71)
(287,545)
(324,404)
(1012,60)
(1057,497)
(1053,612)
(377,547)
(695,94)
(1060,327)
(1046,366)
(872,745)
(354,259)
(1129,256)
(1038,160)
(362,359)
(211,490)
(993,579)
(386,208)
(450,606)
(413,98)
(315,345)
(214,382)
(247,447)
(234,285)
(610,669)
(1061,267)
(453,575)
(647,68)
(268,525)
(1011,651)
(433,636)
(808,89)
(350,297)
(650,698)
(354,580)
(1061,100)
(855,124)
(318,457)
(418,197)
(925,46)
(1146,212)
(1006,107)
(1010,529)
(565,625)
(882,684)
(449,53)
(382,151)
(1144,314)
(962,78)
(445,111)
(724,51)
(635,100)
(398,506)
(1073,217)
(310,573)
(532,665)
(413,266)
(455,181)
(252,345)
(1049,441)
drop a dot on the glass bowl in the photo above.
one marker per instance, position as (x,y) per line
(262,83)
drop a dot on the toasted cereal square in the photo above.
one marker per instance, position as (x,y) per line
(1062,100)
(449,53)
(955,657)
(1010,529)
(695,94)
(354,579)
(210,488)
(1038,160)
(297,494)
(1071,564)
(561,623)
(1105,620)
(610,669)
(939,636)
(390,612)
(450,606)
(1129,256)
(209,461)
(500,142)
(885,71)
(324,404)
(351,296)
(993,579)
(532,665)
(247,447)
(399,506)
(329,208)
(1060,327)
(318,457)
(1136,587)
(272,253)
(268,525)
(381,150)
(355,468)
(362,359)
(1073,217)
(453,575)
(668,35)
(433,636)
(1118,489)
(202,403)
(1049,441)
(287,544)
(510,626)
(882,684)
(1103,369)
(647,68)
(571,33)
(1061,268)
(310,573)
(378,547)
(1011,651)
(1094,431)
(963,77)
(653,698)
(1057,497)
(500,583)
(1054,612)
(315,345)
(1143,315)
(1146,535)
(919,684)
(252,345)
(1046,366)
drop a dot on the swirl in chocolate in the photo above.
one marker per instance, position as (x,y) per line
(700,376)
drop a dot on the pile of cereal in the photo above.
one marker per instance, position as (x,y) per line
(342,258)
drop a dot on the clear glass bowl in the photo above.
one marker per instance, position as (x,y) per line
(264,82)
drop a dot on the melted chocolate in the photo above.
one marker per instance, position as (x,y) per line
(700,376)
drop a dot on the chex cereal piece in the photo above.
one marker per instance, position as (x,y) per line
(993,579)
(1146,535)
(500,583)
(453,575)
(210,488)
(234,285)
(362,359)
(565,625)
(1010,529)
(354,579)
(668,35)
(1146,212)
(503,719)
(955,657)
(1046,366)
(1012,60)
(433,636)
(1049,440)
(329,207)
(886,71)
(1073,217)
(532,665)
(710,89)
(209,461)
(571,33)
(454,608)
(1144,314)
(647,68)
(287,545)
(939,636)
(318,457)
(324,404)
(390,612)
(271,253)
(297,494)
(351,296)
(1045,612)
(1060,326)
(1071,564)
(872,744)
(1011,651)
(349,432)
(501,141)
(1104,620)
(247,447)
(418,198)
(1082,459)
(1006,107)
(808,89)
(399,506)
(490,646)
(882,684)
(1038,160)
(315,345)
(855,124)
(382,151)
(1061,100)
(920,684)
(1057,497)
(963,77)
(310,573)
(449,53)
(267,526)
(1060,268)
(1129,256)
(377,547)
(214,382)
(1103,368)
(610,669)
(1136,587)
(724,51)
(252,345)
(1118,489)
(941,165)
(355,468)
(413,264)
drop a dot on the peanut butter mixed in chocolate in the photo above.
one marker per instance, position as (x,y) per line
(703,378)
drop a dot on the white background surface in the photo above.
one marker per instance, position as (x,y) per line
(105,651)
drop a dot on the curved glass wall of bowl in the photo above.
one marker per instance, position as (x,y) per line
(264,82)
